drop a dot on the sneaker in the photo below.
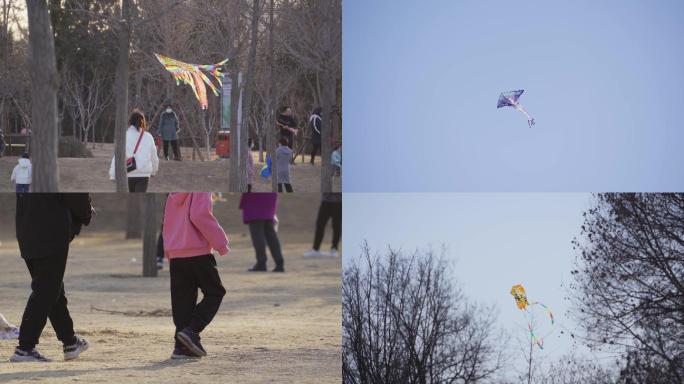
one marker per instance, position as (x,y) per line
(160,264)
(312,253)
(279,268)
(333,252)
(73,351)
(30,356)
(257,268)
(182,353)
(191,341)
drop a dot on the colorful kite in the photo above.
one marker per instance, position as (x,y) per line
(510,99)
(518,292)
(192,75)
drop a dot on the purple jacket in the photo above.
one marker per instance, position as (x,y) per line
(258,206)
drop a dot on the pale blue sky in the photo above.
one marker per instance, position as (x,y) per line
(494,240)
(603,79)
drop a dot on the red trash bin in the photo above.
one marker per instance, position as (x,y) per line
(223,144)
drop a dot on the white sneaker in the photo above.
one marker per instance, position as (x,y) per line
(73,351)
(313,253)
(31,356)
(332,253)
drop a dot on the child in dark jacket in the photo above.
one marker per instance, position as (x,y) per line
(190,233)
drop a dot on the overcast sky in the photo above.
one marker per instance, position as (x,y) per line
(603,79)
(494,240)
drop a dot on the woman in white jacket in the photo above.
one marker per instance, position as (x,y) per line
(146,159)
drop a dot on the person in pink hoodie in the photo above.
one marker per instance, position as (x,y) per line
(190,233)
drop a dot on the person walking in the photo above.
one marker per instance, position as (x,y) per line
(142,161)
(259,212)
(22,174)
(315,123)
(336,159)
(2,144)
(283,157)
(330,209)
(168,130)
(46,223)
(191,232)
(250,164)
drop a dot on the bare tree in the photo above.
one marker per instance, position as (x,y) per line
(270,138)
(86,100)
(249,85)
(121,92)
(629,283)
(44,86)
(404,322)
(572,369)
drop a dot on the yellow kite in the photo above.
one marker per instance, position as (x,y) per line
(518,293)
(520,296)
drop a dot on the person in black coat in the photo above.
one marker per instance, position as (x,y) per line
(287,126)
(45,225)
(315,125)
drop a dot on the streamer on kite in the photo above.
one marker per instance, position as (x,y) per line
(510,99)
(518,292)
(266,169)
(194,76)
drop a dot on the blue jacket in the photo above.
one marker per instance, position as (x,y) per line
(168,126)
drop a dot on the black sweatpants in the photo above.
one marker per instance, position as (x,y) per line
(263,233)
(288,187)
(328,210)
(187,275)
(314,150)
(160,246)
(174,145)
(137,184)
(47,300)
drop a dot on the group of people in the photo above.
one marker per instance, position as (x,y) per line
(287,129)
(46,224)
(142,159)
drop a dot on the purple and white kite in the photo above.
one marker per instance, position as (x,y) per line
(510,99)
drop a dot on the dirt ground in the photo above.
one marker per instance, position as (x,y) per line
(92,174)
(271,328)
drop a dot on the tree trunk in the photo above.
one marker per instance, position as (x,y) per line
(44,86)
(234,175)
(248,92)
(134,216)
(121,90)
(270,127)
(327,103)
(150,236)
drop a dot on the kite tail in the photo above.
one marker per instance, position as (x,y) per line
(530,119)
